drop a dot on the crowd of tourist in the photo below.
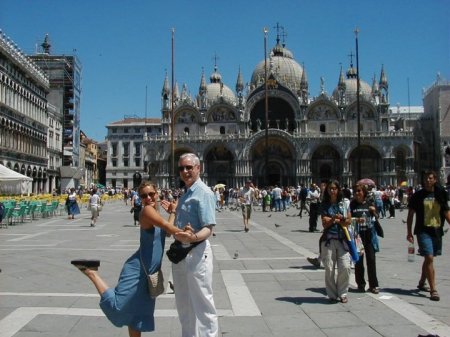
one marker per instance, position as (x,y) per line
(349,219)
(280,198)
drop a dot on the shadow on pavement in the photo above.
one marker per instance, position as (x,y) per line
(405,292)
(305,267)
(303,300)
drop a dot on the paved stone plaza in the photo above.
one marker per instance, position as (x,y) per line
(268,290)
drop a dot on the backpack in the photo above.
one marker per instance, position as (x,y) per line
(137,201)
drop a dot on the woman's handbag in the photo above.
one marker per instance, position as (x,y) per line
(177,252)
(99,207)
(155,281)
(378,228)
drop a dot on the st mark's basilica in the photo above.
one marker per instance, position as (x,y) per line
(308,138)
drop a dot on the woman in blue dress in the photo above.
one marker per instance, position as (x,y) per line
(129,303)
(72,205)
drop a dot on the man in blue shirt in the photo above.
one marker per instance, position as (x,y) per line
(193,275)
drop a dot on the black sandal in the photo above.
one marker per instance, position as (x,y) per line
(423,287)
(86,264)
(434,296)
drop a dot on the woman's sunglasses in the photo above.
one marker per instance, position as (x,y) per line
(146,195)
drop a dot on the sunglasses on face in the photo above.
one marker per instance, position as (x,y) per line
(187,168)
(146,195)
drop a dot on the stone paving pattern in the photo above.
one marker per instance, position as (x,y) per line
(269,289)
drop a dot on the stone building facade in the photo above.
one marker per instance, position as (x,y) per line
(24,117)
(304,138)
(432,133)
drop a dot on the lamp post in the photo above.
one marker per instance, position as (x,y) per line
(172,121)
(266,110)
(358,170)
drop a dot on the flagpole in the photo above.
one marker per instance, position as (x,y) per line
(172,120)
(358,173)
(266,111)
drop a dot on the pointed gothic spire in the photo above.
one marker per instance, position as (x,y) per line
(384,86)
(341,83)
(176,92)
(184,92)
(304,79)
(383,79)
(166,87)
(375,88)
(239,82)
(202,88)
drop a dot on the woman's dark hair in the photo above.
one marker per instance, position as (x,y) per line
(326,195)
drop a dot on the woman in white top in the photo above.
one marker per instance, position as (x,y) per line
(94,203)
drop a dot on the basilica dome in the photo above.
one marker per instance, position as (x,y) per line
(216,88)
(282,66)
(348,87)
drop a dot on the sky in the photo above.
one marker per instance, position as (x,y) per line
(125,46)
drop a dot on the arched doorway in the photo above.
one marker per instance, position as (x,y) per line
(325,164)
(219,165)
(370,163)
(280,168)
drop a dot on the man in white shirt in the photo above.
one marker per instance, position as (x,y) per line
(276,193)
(313,197)
(246,198)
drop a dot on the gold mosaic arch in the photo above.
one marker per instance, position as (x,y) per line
(323,111)
(186,115)
(273,134)
(222,113)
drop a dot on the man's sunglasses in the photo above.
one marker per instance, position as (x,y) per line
(146,195)
(187,168)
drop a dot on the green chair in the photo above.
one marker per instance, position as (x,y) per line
(18,214)
(29,212)
(55,205)
(37,212)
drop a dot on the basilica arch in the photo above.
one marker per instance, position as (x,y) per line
(371,163)
(281,158)
(282,108)
(281,115)
(326,163)
(222,113)
(219,165)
